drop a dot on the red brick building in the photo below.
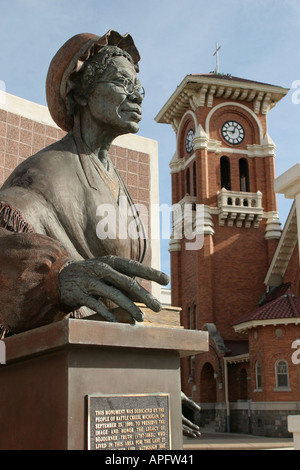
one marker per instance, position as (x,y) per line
(224,163)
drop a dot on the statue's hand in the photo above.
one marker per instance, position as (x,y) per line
(82,283)
(189,429)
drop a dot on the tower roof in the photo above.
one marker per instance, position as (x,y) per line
(200,89)
(282,309)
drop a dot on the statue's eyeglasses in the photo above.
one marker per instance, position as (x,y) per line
(129,87)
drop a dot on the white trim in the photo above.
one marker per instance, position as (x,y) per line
(289,182)
(193,91)
(236,359)
(273,225)
(28,109)
(138,143)
(284,250)
(237,105)
(242,327)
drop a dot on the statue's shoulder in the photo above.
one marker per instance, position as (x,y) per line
(51,162)
(34,183)
(59,153)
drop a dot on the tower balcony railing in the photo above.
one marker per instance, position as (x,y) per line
(240,208)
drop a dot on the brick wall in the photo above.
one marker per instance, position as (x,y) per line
(21,137)
(268,345)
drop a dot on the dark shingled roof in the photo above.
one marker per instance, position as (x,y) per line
(285,306)
(275,292)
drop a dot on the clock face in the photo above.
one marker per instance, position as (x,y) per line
(189,141)
(233,132)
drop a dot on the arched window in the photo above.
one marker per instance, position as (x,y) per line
(258,376)
(282,374)
(225,173)
(195,318)
(208,392)
(244,175)
(195,179)
(188,181)
(189,315)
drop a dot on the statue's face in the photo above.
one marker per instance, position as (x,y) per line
(110,105)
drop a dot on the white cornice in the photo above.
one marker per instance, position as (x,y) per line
(273,225)
(28,109)
(289,182)
(243,327)
(203,142)
(200,90)
(236,359)
(284,250)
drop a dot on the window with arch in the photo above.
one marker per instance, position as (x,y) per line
(282,374)
(208,389)
(188,181)
(195,179)
(195,318)
(189,316)
(225,173)
(258,376)
(192,318)
(244,175)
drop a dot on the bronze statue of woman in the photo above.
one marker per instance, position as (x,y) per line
(52,263)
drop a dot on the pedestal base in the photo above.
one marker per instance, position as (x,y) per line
(51,373)
(294,427)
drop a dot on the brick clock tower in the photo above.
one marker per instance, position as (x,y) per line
(224,163)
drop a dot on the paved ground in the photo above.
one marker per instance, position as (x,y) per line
(230,441)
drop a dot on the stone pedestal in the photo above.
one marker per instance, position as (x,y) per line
(294,427)
(52,375)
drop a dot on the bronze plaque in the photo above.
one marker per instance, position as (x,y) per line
(128,422)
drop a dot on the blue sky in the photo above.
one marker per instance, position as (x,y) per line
(260,40)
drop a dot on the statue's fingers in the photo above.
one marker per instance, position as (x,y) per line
(134,268)
(100,289)
(131,288)
(99,308)
(190,424)
(189,403)
(189,433)
(139,294)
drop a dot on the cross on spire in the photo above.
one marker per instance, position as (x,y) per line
(216,53)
